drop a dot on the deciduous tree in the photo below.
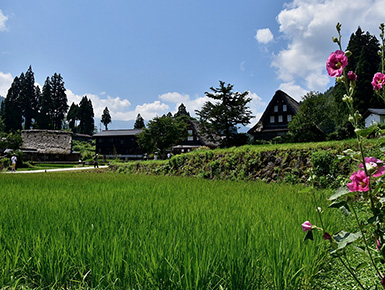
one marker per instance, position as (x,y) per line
(161,134)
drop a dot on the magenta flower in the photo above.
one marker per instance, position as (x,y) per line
(306,226)
(378,246)
(360,182)
(374,166)
(378,81)
(352,76)
(336,62)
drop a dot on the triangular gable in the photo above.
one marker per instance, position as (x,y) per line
(292,105)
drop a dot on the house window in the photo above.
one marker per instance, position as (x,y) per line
(190,132)
(284,108)
(272,119)
(280,119)
(276,108)
(190,138)
(289,118)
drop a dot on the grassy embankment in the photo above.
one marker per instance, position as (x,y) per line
(115,231)
(283,162)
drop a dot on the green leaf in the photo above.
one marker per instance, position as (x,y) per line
(349,154)
(342,206)
(308,236)
(361,265)
(374,220)
(344,238)
(339,192)
(306,190)
(365,132)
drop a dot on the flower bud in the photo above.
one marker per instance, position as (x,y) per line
(307,226)
(357,115)
(348,53)
(326,236)
(335,39)
(351,119)
(345,98)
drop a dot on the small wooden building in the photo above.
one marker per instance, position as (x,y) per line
(119,144)
(274,121)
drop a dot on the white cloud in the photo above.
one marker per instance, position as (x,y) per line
(293,90)
(174,97)
(3,19)
(264,35)
(308,26)
(257,107)
(6,80)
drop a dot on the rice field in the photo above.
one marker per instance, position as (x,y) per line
(116,231)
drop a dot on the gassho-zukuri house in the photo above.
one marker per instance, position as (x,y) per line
(275,120)
(48,145)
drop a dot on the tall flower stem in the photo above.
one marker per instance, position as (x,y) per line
(365,241)
(350,271)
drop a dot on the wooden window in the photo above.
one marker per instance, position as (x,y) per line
(284,108)
(272,119)
(289,118)
(280,119)
(190,138)
(276,108)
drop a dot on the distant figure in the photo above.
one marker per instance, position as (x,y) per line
(96,164)
(13,161)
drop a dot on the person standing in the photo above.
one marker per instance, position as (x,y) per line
(13,161)
(96,164)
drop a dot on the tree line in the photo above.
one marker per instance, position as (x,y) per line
(28,107)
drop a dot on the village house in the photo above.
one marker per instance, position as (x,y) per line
(195,139)
(276,118)
(119,144)
(48,145)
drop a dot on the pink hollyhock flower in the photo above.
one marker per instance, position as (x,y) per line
(378,246)
(336,62)
(306,226)
(374,166)
(352,76)
(378,81)
(360,182)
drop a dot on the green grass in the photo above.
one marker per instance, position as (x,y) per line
(116,231)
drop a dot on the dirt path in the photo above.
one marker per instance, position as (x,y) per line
(57,169)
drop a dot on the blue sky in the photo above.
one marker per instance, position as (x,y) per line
(148,56)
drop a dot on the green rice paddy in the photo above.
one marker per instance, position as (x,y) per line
(116,231)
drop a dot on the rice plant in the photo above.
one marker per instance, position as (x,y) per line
(117,231)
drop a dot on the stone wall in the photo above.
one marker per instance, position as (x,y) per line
(47,141)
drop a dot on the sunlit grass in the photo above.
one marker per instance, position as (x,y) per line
(90,230)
